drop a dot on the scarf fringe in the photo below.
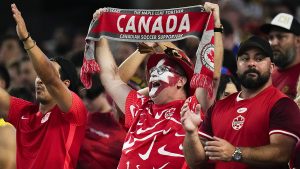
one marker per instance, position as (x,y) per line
(88,68)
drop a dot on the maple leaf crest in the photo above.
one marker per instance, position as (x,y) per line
(210,55)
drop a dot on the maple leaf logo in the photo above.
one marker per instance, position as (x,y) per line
(210,55)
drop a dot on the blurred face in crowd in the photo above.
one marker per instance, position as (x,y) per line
(229,89)
(163,81)
(254,68)
(27,74)
(283,45)
(10,50)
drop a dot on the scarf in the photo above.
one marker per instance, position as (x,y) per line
(139,25)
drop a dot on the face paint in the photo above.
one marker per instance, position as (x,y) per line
(161,77)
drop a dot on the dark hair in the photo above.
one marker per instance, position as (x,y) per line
(5,76)
(96,89)
(67,71)
(224,80)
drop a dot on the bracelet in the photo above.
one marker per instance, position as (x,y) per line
(25,39)
(34,44)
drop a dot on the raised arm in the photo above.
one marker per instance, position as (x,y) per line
(201,93)
(43,66)
(109,74)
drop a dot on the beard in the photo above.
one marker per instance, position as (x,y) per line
(253,83)
(282,60)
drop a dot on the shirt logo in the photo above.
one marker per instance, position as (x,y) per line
(46,117)
(24,118)
(241,110)
(238,122)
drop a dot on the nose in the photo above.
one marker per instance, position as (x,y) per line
(251,63)
(38,81)
(273,41)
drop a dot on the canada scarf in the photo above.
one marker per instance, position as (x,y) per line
(139,25)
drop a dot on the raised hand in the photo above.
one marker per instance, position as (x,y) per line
(98,12)
(219,149)
(214,8)
(148,47)
(20,23)
(190,120)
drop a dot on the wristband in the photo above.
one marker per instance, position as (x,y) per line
(34,44)
(25,39)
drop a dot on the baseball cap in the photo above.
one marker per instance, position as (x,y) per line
(256,42)
(285,22)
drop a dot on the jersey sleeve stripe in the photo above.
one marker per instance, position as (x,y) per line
(285,133)
(68,145)
(205,135)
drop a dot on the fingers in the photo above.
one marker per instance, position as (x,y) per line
(98,12)
(198,109)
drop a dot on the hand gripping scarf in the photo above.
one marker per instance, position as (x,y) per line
(139,25)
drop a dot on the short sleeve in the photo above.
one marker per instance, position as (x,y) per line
(285,118)
(205,129)
(134,101)
(77,114)
(16,109)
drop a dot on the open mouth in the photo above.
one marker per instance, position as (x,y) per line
(155,84)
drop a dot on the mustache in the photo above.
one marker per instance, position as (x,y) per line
(251,71)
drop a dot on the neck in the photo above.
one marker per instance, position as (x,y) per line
(44,108)
(178,95)
(105,108)
(250,93)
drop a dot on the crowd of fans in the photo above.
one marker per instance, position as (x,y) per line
(17,74)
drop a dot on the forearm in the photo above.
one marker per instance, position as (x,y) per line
(42,65)
(128,68)
(193,150)
(265,155)
(109,69)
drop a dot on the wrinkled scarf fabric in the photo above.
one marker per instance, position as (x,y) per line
(138,25)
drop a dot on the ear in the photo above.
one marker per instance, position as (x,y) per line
(181,82)
(67,83)
(272,67)
(297,41)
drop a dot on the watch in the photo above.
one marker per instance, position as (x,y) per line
(237,154)
(220,29)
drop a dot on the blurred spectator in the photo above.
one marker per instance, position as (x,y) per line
(227,86)
(121,50)
(76,58)
(28,75)
(14,73)
(61,42)
(22,93)
(284,36)
(104,136)
(10,49)
(4,78)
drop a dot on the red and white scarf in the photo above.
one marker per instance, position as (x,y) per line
(139,25)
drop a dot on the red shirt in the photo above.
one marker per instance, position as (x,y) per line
(155,137)
(286,80)
(102,145)
(250,122)
(49,141)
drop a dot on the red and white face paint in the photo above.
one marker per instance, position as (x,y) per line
(161,77)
